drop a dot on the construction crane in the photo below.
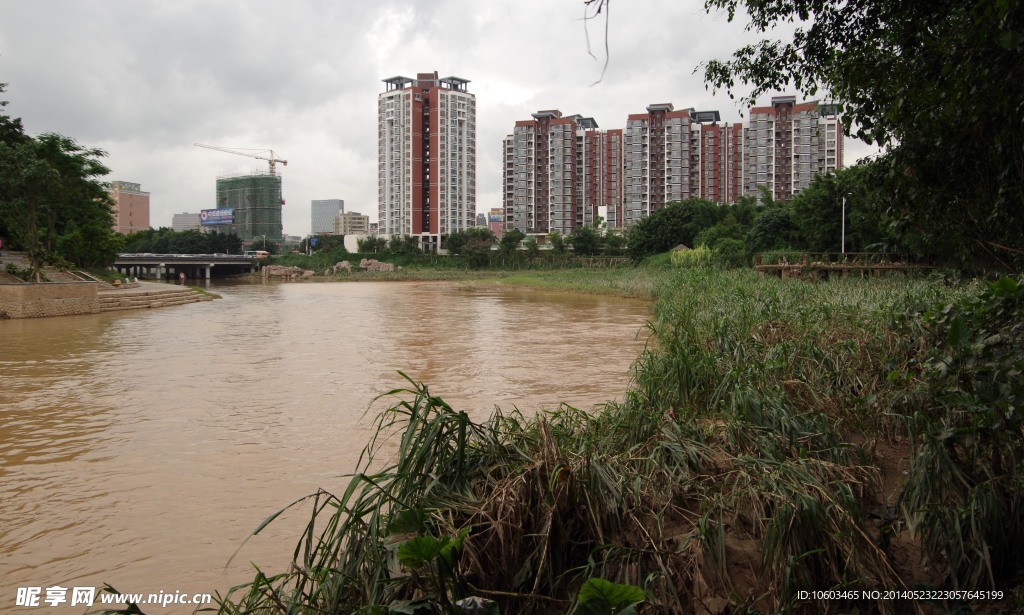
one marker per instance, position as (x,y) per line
(273,159)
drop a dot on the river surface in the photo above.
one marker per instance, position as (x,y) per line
(140,448)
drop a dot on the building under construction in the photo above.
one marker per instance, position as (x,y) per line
(256,201)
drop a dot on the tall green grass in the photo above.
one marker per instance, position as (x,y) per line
(740,468)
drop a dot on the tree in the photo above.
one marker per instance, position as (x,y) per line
(585,241)
(728,228)
(324,243)
(475,238)
(773,230)
(557,242)
(90,244)
(731,253)
(473,243)
(188,242)
(938,84)
(51,202)
(817,213)
(675,223)
(455,242)
(26,182)
(371,244)
(510,241)
(48,188)
(614,243)
(404,245)
(224,243)
(532,249)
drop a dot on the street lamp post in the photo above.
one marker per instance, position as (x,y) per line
(843,245)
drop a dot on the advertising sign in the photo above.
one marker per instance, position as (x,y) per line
(216,217)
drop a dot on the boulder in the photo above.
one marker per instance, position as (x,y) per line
(371,264)
(285,273)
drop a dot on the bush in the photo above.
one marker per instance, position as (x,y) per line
(731,253)
(688,259)
(963,491)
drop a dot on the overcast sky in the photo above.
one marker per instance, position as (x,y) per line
(144,80)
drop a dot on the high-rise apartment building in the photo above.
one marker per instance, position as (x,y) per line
(131,207)
(719,155)
(657,159)
(555,173)
(609,173)
(426,141)
(322,213)
(788,144)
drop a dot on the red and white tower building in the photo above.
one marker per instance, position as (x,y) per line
(426,140)
(719,149)
(657,159)
(788,144)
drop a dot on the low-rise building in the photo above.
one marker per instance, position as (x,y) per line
(351,223)
(186,222)
(131,207)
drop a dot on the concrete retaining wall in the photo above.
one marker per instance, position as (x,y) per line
(48,299)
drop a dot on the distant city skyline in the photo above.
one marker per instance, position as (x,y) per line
(241,76)
(561,172)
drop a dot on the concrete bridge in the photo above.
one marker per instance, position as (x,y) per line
(194,266)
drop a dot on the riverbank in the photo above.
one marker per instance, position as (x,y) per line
(631,281)
(778,437)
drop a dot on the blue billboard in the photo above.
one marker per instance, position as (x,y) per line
(216,217)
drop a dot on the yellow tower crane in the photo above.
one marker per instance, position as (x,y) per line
(272,159)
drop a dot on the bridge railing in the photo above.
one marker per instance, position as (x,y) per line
(185,256)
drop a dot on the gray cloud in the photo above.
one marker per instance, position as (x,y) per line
(146,80)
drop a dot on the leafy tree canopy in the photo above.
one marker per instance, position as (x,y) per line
(168,241)
(52,204)
(371,244)
(324,243)
(510,240)
(773,230)
(817,214)
(675,223)
(476,238)
(585,240)
(939,84)
(557,242)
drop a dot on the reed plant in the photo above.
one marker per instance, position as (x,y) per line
(741,468)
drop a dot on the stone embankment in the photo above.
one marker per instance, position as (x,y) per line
(147,295)
(74,293)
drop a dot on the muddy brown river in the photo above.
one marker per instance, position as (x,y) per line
(140,448)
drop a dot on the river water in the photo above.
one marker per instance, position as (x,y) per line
(140,448)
